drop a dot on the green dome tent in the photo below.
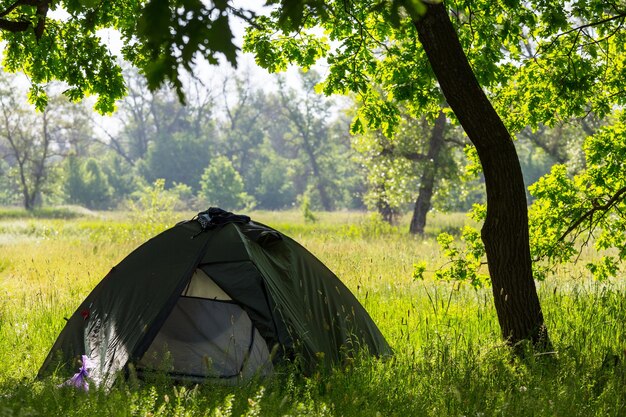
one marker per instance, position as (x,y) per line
(218,296)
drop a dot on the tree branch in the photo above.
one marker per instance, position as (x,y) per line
(42,11)
(617,197)
(592,24)
(457,142)
(22,25)
(580,28)
(17,4)
(411,156)
(14,26)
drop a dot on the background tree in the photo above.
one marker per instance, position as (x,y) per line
(121,176)
(177,158)
(307,117)
(243,138)
(258,135)
(408,167)
(144,116)
(32,142)
(222,186)
(86,184)
(433,168)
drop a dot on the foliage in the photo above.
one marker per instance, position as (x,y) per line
(68,50)
(152,207)
(305,207)
(120,175)
(172,34)
(185,197)
(464,262)
(358,63)
(222,186)
(86,184)
(179,158)
(460,191)
(274,189)
(392,179)
(588,208)
(570,213)
(160,38)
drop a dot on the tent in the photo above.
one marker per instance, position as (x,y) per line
(218,296)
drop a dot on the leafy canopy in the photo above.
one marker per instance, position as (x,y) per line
(540,61)
(592,202)
(63,40)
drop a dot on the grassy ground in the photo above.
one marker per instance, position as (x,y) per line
(449,359)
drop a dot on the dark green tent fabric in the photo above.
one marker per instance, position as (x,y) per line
(321,312)
(121,312)
(295,302)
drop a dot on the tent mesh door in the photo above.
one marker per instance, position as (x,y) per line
(207,338)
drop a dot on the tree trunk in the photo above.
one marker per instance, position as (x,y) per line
(427,182)
(387,213)
(317,174)
(39,161)
(505,232)
(28,205)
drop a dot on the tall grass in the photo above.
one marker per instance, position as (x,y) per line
(449,358)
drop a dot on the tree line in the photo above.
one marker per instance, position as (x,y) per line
(236,146)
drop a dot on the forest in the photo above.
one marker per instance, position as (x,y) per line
(459,165)
(241,147)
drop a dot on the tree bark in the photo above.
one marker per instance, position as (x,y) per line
(317,173)
(387,213)
(505,231)
(427,182)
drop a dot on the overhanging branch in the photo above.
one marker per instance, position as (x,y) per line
(617,197)
(592,24)
(411,156)
(17,4)
(23,25)
(14,26)
(580,28)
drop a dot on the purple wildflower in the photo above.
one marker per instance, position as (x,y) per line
(79,380)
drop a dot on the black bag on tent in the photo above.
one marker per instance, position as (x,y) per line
(220,297)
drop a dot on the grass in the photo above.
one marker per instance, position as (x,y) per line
(449,359)
(66,212)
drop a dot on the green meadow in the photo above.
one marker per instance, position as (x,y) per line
(449,358)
